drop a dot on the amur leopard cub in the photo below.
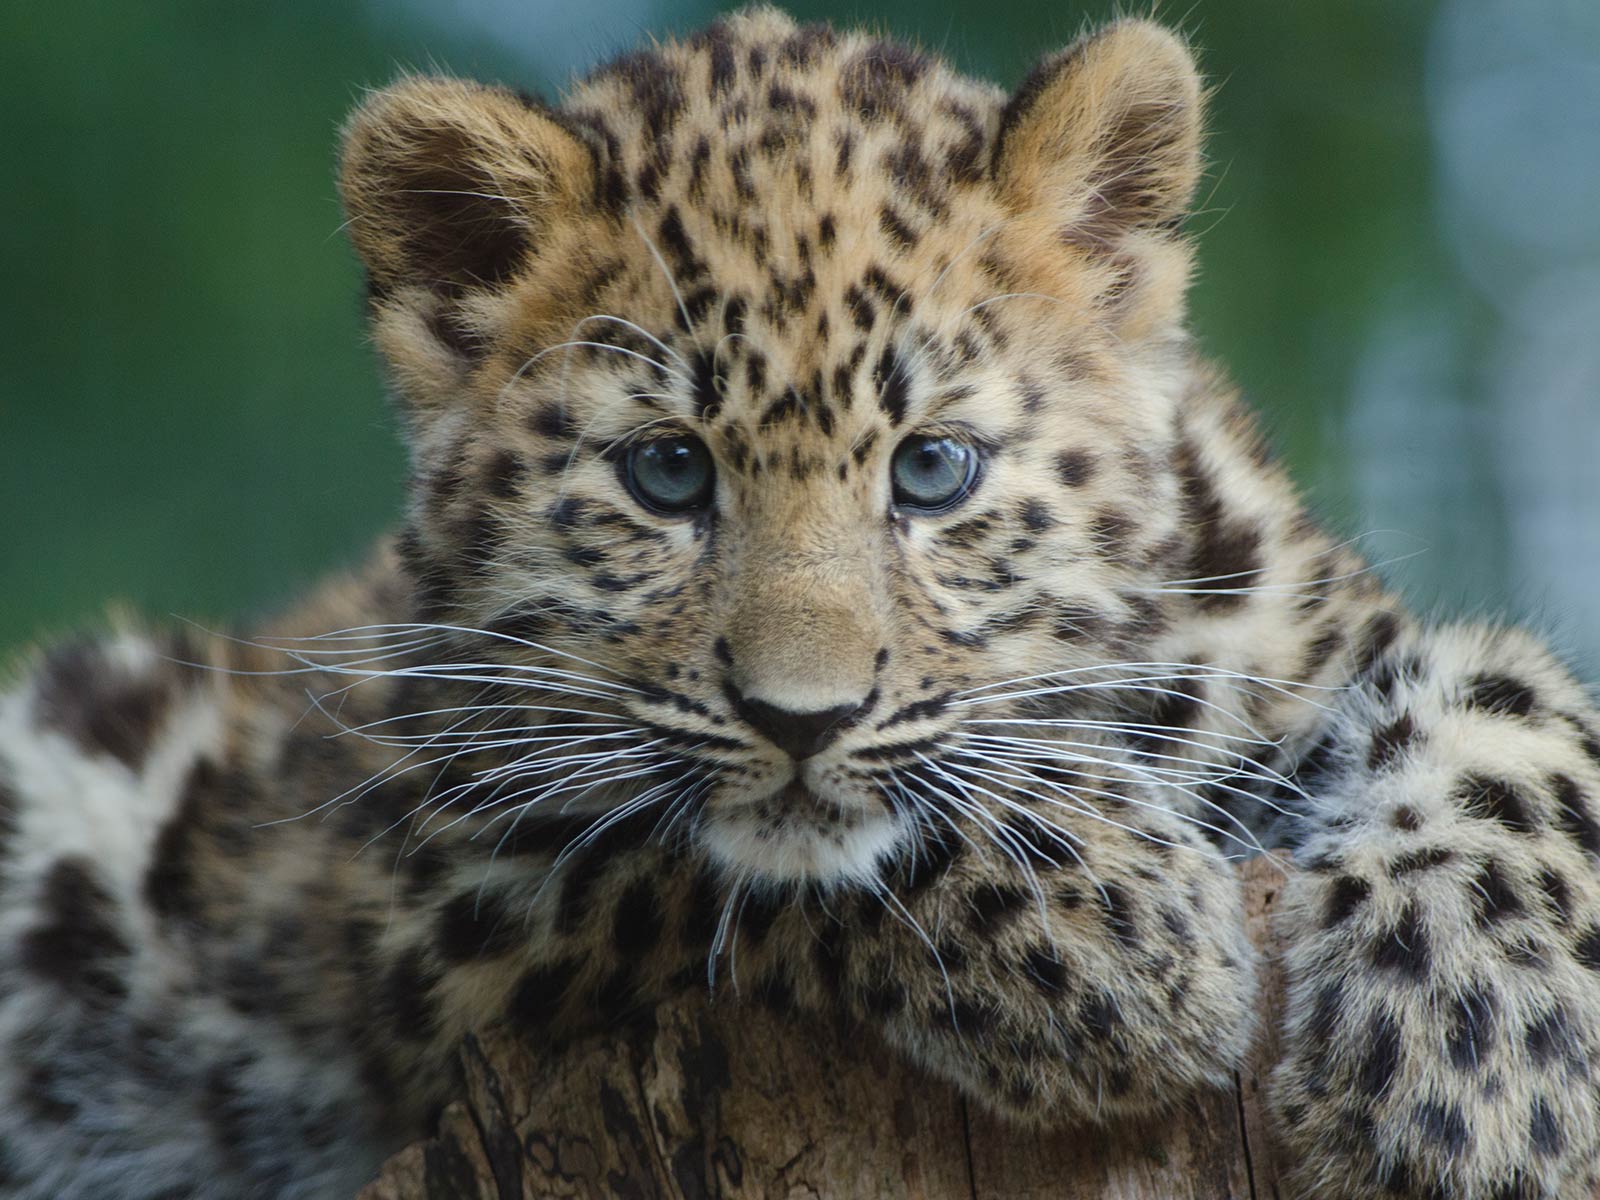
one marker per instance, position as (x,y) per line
(829,568)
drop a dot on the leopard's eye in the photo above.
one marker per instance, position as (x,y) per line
(670,474)
(931,474)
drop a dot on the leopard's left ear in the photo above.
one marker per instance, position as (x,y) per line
(1105,136)
(450,185)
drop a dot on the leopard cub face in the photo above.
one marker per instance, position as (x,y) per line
(777,397)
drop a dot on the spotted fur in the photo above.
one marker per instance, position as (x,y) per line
(968,778)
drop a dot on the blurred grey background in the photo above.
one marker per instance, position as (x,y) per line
(1400,247)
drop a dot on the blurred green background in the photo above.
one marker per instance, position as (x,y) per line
(1400,244)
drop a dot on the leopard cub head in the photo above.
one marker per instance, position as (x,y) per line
(774,399)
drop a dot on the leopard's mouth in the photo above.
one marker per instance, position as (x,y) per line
(797,834)
(796,795)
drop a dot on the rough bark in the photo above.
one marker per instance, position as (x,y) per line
(730,1102)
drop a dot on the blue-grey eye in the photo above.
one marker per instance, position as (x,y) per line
(670,474)
(931,473)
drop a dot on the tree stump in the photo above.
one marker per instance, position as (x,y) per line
(728,1101)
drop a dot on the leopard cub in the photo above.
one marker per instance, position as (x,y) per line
(829,563)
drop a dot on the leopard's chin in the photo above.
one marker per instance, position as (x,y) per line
(793,836)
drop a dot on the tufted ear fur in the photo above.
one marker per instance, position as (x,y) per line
(1105,135)
(448,184)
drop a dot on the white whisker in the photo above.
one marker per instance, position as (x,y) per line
(666,271)
(642,332)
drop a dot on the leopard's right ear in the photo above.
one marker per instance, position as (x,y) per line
(449,185)
(1105,136)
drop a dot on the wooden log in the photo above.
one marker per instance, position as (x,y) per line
(729,1101)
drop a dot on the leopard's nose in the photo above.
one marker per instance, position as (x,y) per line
(800,734)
